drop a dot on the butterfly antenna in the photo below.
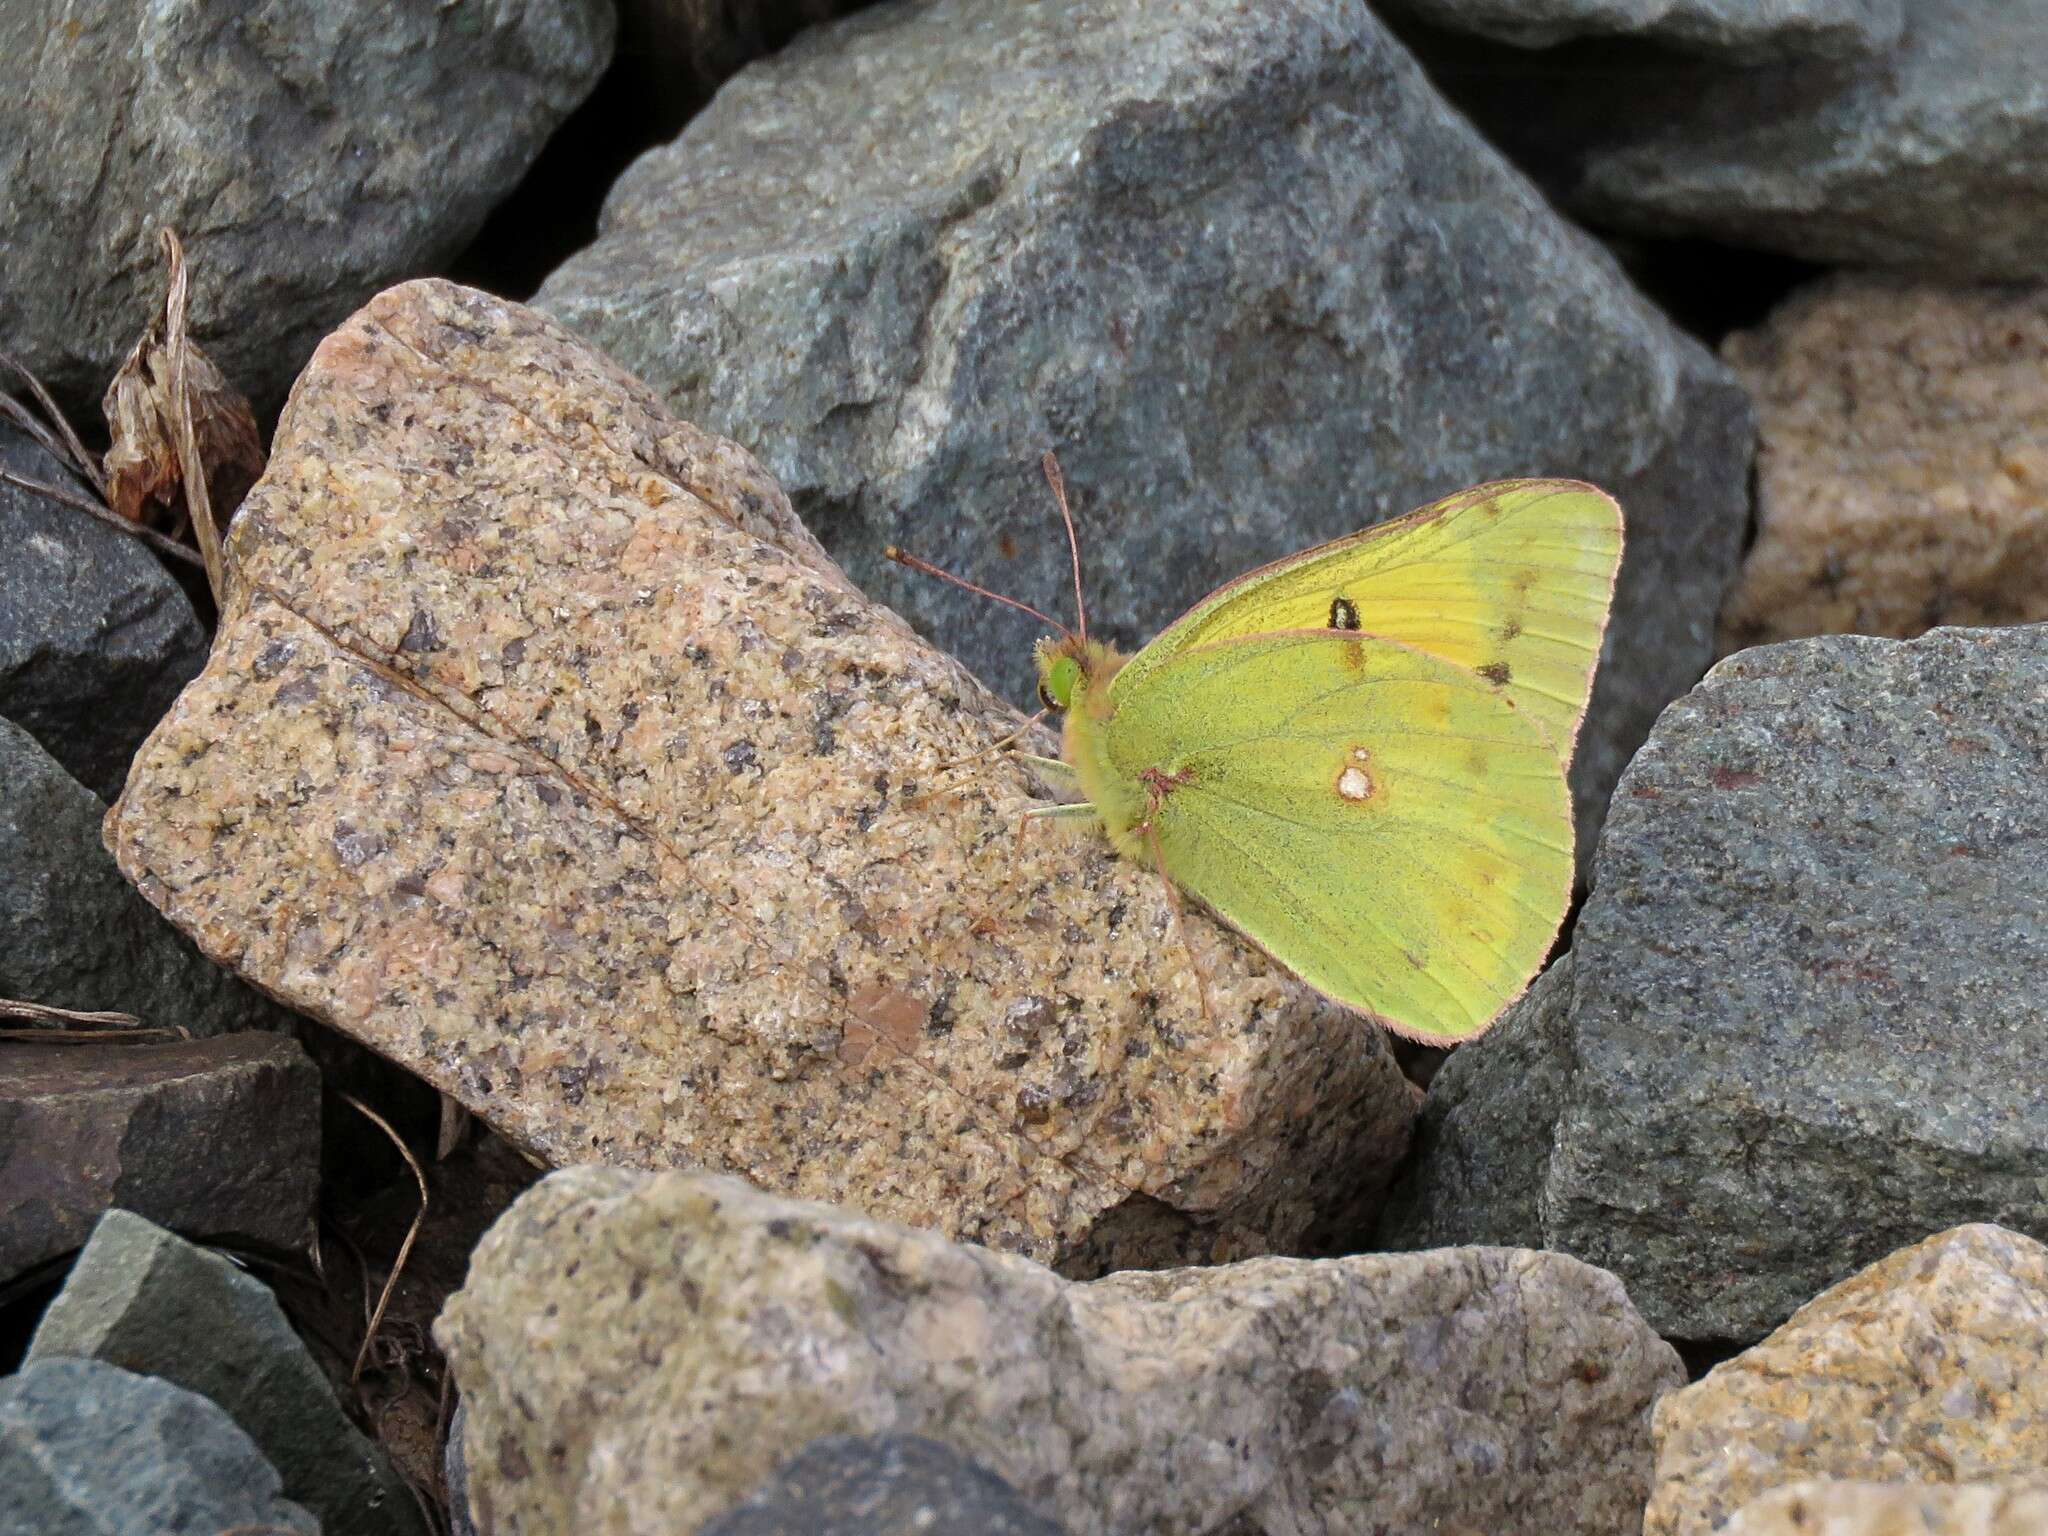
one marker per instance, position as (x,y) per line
(904,557)
(1051,464)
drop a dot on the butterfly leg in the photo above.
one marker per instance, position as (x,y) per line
(995,746)
(1058,769)
(1060,812)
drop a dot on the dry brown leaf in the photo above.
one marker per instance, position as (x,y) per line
(170,409)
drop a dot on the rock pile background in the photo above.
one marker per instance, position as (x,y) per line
(562,780)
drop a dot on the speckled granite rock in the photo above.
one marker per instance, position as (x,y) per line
(308,151)
(1740,30)
(150,1302)
(1238,263)
(88,1449)
(881,1485)
(546,753)
(1803,1021)
(219,1138)
(637,1351)
(1932,157)
(96,637)
(1823,1507)
(1902,477)
(73,933)
(1927,1366)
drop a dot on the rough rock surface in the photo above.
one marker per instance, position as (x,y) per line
(638,1351)
(219,1138)
(1825,1507)
(881,1485)
(150,1302)
(546,753)
(1902,473)
(1740,30)
(1925,1367)
(96,638)
(92,1450)
(1931,158)
(1803,1022)
(308,152)
(73,933)
(455,1474)
(1241,266)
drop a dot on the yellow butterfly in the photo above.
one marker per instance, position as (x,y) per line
(1357,756)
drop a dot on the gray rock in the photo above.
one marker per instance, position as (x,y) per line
(150,1302)
(1740,30)
(1933,158)
(1803,1022)
(640,1351)
(308,152)
(1479,1104)
(881,1485)
(455,1474)
(92,1450)
(1250,276)
(96,638)
(74,933)
(219,1138)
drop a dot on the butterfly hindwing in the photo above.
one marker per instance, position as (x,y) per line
(1510,582)
(1383,822)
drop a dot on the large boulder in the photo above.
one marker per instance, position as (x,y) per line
(73,933)
(637,1351)
(308,152)
(545,752)
(88,1449)
(217,1137)
(1738,30)
(1902,466)
(1927,1367)
(1802,1023)
(1931,157)
(1255,281)
(146,1300)
(96,637)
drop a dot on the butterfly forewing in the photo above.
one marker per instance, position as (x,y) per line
(1384,823)
(1510,582)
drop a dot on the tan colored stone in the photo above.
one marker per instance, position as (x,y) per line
(1902,468)
(1926,1367)
(637,1352)
(1824,1508)
(544,751)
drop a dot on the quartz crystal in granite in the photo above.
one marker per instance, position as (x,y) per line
(544,751)
(638,1351)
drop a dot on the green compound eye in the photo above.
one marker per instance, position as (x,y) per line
(1057,684)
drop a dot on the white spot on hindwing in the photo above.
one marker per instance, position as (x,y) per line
(1353,782)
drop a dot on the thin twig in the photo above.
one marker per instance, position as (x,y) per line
(86,504)
(93,1036)
(12,1008)
(87,465)
(411,1232)
(36,428)
(197,501)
